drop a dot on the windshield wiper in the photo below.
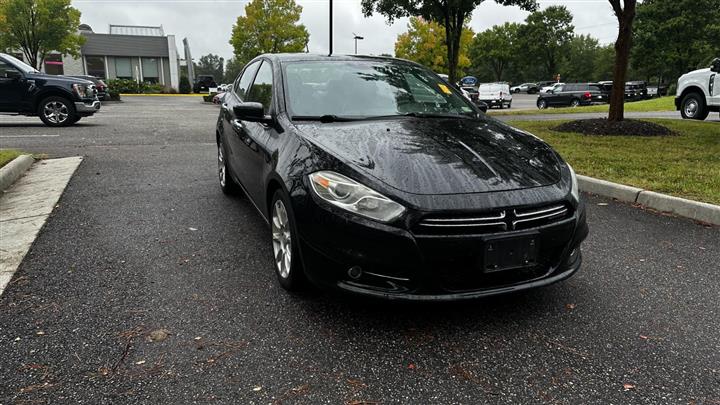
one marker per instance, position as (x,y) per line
(324,118)
(435,115)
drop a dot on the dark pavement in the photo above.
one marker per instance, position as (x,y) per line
(144,240)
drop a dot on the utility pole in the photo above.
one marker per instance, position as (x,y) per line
(356,38)
(331,30)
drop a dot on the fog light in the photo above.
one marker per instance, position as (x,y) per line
(355,272)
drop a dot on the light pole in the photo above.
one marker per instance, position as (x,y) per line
(356,38)
(331,30)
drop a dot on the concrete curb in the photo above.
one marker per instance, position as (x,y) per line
(13,170)
(698,211)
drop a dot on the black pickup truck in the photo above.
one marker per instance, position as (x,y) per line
(58,100)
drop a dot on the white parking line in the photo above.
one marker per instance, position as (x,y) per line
(29,136)
(25,207)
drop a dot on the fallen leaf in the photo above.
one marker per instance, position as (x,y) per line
(570,306)
(193,229)
(140,362)
(256,389)
(644,337)
(411,366)
(40,333)
(628,387)
(198,337)
(158,335)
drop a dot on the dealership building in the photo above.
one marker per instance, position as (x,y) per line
(139,53)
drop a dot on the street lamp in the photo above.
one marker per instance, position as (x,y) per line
(356,38)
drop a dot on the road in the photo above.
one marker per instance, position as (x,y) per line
(143,240)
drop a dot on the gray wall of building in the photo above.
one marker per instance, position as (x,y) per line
(123,45)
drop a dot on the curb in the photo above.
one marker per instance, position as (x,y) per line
(13,170)
(162,95)
(695,210)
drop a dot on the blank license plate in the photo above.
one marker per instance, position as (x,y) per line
(511,253)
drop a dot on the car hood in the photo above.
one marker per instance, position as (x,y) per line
(439,156)
(58,78)
(699,72)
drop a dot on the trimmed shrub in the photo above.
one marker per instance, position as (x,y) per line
(185,87)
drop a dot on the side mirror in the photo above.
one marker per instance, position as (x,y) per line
(13,74)
(253,112)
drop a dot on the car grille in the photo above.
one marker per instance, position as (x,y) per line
(494,221)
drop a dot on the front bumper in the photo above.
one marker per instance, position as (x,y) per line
(677,103)
(87,107)
(400,264)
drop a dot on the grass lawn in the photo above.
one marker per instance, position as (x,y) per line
(7,155)
(687,165)
(655,104)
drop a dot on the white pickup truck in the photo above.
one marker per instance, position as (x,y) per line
(698,92)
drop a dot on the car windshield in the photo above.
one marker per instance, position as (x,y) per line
(24,67)
(366,89)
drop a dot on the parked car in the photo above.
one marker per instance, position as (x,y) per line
(529,88)
(635,91)
(657,91)
(495,95)
(606,89)
(571,95)
(698,92)
(203,83)
(103,91)
(58,100)
(550,87)
(544,84)
(395,187)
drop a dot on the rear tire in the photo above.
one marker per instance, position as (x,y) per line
(284,240)
(575,103)
(542,104)
(693,107)
(57,112)
(227,184)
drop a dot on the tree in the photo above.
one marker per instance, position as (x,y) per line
(212,65)
(185,87)
(545,35)
(604,63)
(232,70)
(674,37)
(625,14)
(450,14)
(423,44)
(496,48)
(38,27)
(580,59)
(268,26)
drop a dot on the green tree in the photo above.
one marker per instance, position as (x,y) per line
(268,26)
(450,14)
(580,59)
(38,27)
(674,37)
(212,65)
(545,35)
(496,49)
(422,43)
(185,87)
(604,63)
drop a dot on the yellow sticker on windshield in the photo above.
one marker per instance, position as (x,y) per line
(444,88)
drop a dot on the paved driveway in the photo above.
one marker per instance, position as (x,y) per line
(144,240)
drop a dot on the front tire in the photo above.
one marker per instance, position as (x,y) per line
(575,103)
(693,107)
(542,104)
(286,254)
(57,112)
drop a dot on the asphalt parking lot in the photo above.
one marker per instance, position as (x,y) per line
(143,240)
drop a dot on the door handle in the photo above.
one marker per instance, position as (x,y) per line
(238,125)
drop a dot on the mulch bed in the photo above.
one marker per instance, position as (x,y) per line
(601,126)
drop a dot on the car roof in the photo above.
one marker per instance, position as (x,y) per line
(303,57)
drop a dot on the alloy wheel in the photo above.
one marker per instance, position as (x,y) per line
(282,239)
(221,165)
(574,103)
(691,108)
(56,112)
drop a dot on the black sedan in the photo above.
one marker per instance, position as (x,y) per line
(376,177)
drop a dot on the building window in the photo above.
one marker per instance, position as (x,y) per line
(95,66)
(54,64)
(123,68)
(150,70)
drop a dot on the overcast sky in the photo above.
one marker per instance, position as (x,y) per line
(208,23)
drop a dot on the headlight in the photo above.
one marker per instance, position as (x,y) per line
(575,190)
(352,196)
(80,90)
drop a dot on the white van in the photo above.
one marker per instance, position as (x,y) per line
(495,95)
